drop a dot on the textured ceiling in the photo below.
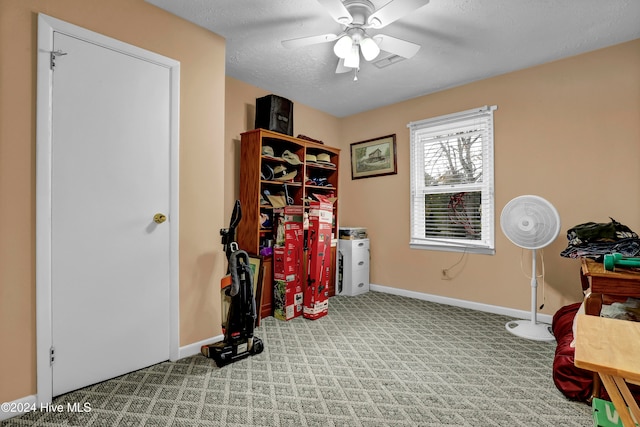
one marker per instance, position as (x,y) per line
(462,41)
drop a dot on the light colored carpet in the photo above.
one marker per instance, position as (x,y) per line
(375,360)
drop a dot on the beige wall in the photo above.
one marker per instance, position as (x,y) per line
(241,114)
(568,131)
(201,54)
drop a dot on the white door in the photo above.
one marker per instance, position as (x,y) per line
(110,269)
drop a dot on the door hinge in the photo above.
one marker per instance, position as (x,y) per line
(52,355)
(53,57)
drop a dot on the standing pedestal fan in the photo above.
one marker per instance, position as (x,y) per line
(530,222)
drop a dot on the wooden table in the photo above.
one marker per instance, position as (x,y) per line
(611,347)
(607,286)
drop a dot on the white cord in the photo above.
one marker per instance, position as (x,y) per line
(541,276)
(445,271)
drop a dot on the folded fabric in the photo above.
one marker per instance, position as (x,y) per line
(599,232)
(594,240)
(597,250)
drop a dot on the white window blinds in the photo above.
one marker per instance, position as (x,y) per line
(452,200)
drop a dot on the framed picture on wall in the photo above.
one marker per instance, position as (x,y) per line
(374,157)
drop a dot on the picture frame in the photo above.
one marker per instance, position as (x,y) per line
(255,262)
(374,157)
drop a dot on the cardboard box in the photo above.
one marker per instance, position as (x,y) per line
(288,298)
(352,233)
(288,255)
(316,292)
(287,264)
(605,414)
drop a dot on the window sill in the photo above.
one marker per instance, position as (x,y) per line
(447,248)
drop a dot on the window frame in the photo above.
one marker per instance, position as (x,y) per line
(461,120)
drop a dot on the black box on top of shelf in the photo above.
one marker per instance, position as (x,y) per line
(274,113)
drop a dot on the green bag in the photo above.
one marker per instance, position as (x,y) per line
(605,414)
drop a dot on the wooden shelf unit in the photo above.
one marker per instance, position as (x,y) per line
(250,235)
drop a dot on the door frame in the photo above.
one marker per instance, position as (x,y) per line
(47,25)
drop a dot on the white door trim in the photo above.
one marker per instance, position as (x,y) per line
(47,25)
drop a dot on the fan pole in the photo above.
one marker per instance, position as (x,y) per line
(534,288)
(532,329)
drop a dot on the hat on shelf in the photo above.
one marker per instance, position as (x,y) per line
(310,158)
(291,158)
(268,151)
(266,172)
(322,182)
(277,201)
(265,221)
(281,173)
(324,158)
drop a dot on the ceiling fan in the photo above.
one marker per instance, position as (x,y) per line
(359,16)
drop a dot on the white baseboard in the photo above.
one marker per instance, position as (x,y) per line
(18,407)
(518,314)
(191,349)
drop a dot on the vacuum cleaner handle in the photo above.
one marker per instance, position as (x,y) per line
(229,234)
(236,216)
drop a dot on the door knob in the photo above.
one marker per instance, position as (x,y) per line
(159,218)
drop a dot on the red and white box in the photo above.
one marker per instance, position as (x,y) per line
(316,292)
(287,299)
(288,253)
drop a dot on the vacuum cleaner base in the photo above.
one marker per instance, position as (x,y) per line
(224,353)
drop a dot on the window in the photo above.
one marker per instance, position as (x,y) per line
(452,200)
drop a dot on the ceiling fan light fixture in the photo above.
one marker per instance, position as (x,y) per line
(353,59)
(370,49)
(343,47)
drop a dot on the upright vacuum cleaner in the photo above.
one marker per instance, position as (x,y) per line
(239,341)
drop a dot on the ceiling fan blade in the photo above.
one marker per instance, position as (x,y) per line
(337,11)
(307,41)
(396,46)
(341,68)
(393,11)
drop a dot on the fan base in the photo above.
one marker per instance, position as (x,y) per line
(530,330)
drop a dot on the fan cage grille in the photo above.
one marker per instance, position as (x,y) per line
(530,222)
